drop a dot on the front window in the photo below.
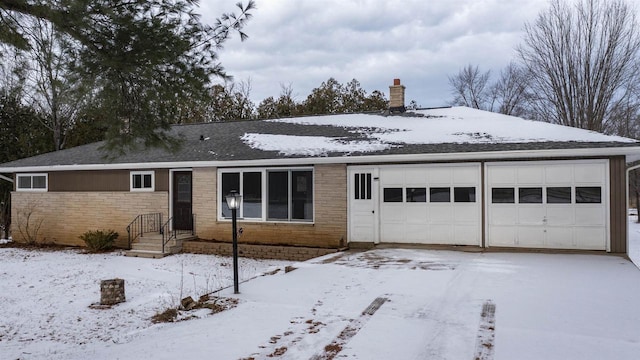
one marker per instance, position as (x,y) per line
(142,181)
(32,182)
(270,194)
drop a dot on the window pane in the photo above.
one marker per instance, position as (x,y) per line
(302,195)
(252,195)
(230,181)
(440,194)
(464,194)
(588,195)
(416,194)
(502,195)
(357,186)
(183,188)
(147,181)
(24,182)
(559,195)
(368,195)
(393,195)
(39,182)
(137,181)
(278,203)
(530,195)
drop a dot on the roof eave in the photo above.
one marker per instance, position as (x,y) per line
(631,154)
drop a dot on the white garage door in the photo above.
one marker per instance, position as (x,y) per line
(424,204)
(561,204)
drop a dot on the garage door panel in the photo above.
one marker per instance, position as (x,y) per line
(416,233)
(558,174)
(466,234)
(589,174)
(441,234)
(415,177)
(465,175)
(439,175)
(591,238)
(530,236)
(590,216)
(440,214)
(530,175)
(502,175)
(416,213)
(503,236)
(560,237)
(466,214)
(503,215)
(560,215)
(531,215)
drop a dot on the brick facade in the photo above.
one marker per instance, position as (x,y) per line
(67,215)
(293,253)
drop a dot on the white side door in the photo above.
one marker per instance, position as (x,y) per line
(363,204)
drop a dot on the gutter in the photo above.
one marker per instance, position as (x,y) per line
(631,154)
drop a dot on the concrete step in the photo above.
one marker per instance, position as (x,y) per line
(146,254)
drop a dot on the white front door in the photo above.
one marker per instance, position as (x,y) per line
(363,205)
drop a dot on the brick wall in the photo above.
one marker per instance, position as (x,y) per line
(67,215)
(329,229)
(293,253)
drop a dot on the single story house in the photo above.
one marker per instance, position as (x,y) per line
(451,176)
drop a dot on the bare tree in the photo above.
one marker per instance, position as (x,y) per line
(581,57)
(509,93)
(470,87)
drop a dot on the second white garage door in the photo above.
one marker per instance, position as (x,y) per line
(560,204)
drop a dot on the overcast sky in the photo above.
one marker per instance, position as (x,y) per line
(305,42)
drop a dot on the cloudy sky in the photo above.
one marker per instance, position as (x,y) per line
(305,42)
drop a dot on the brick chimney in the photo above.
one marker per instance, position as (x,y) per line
(396,97)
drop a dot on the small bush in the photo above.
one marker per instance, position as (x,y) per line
(99,240)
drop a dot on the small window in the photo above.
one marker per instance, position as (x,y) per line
(142,181)
(502,195)
(559,195)
(32,182)
(440,194)
(588,195)
(416,194)
(393,195)
(529,195)
(464,194)
(362,186)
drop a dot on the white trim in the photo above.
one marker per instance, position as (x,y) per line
(632,153)
(142,174)
(32,175)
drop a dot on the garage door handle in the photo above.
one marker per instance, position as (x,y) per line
(373,211)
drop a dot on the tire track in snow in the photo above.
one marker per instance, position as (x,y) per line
(486,332)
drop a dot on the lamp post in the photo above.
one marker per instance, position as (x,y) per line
(233,201)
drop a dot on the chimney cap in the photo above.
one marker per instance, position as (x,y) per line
(396,82)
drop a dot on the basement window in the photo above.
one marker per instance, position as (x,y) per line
(142,181)
(32,182)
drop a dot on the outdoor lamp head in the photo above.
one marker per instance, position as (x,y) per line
(233,200)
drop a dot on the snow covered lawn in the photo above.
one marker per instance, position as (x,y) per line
(381,304)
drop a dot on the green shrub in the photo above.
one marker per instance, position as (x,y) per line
(99,240)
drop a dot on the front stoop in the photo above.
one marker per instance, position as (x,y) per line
(150,246)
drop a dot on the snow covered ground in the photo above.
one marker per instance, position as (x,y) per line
(381,304)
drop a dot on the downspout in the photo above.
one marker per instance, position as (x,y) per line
(6,178)
(626,191)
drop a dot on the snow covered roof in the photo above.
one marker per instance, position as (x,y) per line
(425,135)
